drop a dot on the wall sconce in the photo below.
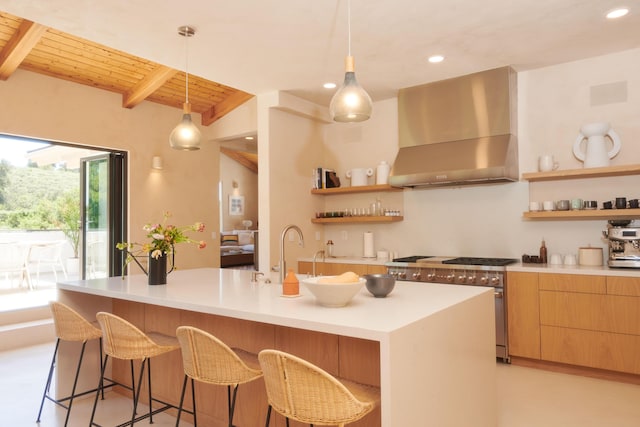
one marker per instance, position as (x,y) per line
(156,163)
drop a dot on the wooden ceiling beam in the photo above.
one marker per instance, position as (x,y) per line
(147,86)
(18,47)
(220,109)
(238,157)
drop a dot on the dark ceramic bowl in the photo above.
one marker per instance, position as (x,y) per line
(380,285)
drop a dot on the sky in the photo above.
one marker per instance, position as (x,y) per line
(14,150)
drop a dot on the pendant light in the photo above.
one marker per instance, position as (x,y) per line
(186,136)
(351,103)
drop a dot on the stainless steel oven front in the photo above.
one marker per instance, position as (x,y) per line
(470,275)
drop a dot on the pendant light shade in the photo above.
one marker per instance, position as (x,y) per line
(186,136)
(351,103)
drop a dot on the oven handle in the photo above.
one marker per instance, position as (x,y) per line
(498,294)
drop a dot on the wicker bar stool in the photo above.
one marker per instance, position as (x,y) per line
(304,392)
(209,360)
(122,340)
(69,326)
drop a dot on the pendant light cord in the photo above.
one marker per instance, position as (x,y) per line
(349,24)
(186,49)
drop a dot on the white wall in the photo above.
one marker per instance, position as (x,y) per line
(553,103)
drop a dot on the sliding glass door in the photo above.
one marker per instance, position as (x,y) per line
(103,214)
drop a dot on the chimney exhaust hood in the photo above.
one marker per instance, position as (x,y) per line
(459,131)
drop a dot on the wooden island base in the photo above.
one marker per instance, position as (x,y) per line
(351,358)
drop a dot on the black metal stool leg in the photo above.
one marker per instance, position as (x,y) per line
(149,385)
(268,416)
(193,402)
(75,383)
(49,378)
(137,394)
(100,389)
(231,402)
(184,388)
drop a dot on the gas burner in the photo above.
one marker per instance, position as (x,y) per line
(499,262)
(414,258)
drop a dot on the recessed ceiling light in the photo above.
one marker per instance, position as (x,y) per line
(436,58)
(329,85)
(617,13)
(248,138)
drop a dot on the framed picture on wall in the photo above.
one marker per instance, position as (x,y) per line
(236,205)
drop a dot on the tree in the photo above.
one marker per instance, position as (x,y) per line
(4,180)
(69,217)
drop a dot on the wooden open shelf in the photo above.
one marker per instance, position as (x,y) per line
(582,173)
(356,219)
(357,189)
(605,214)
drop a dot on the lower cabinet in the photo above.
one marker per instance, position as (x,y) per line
(335,268)
(523,315)
(583,320)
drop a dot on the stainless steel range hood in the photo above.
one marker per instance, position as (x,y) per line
(459,131)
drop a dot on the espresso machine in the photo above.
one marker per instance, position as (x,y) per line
(624,244)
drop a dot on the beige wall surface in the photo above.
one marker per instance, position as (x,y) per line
(553,103)
(51,109)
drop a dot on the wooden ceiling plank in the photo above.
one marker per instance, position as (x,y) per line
(229,104)
(238,157)
(147,86)
(17,49)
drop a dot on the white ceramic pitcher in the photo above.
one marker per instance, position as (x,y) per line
(596,153)
(359,176)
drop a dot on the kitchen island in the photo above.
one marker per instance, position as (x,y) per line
(430,348)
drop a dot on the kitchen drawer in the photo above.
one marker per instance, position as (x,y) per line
(573,283)
(623,286)
(605,313)
(615,352)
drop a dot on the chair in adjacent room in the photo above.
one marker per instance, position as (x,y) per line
(69,326)
(306,393)
(122,340)
(209,360)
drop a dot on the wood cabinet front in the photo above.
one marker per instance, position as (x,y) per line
(583,320)
(523,315)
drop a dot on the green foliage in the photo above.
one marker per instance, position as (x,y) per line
(68,210)
(35,197)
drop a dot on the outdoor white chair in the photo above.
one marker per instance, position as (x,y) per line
(13,261)
(48,255)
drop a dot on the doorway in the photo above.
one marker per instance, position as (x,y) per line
(46,192)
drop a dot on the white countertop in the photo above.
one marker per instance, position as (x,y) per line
(601,270)
(228,292)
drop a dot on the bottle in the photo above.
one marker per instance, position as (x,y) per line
(543,252)
(329,248)
(290,284)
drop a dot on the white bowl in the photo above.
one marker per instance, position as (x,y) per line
(333,294)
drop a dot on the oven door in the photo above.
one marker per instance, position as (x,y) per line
(501,325)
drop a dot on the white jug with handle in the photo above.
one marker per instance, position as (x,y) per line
(596,153)
(359,176)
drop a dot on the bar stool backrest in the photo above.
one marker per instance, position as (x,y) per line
(70,325)
(206,358)
(123,340)
(304,392)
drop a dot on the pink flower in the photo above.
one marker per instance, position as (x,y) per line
(202,244)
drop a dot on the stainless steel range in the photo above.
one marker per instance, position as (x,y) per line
(469,271)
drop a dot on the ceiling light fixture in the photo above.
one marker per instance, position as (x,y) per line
(617,13)
(436,58)
(351,103)
(186,136)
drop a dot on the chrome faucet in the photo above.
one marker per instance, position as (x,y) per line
(283,264)
(314,260)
